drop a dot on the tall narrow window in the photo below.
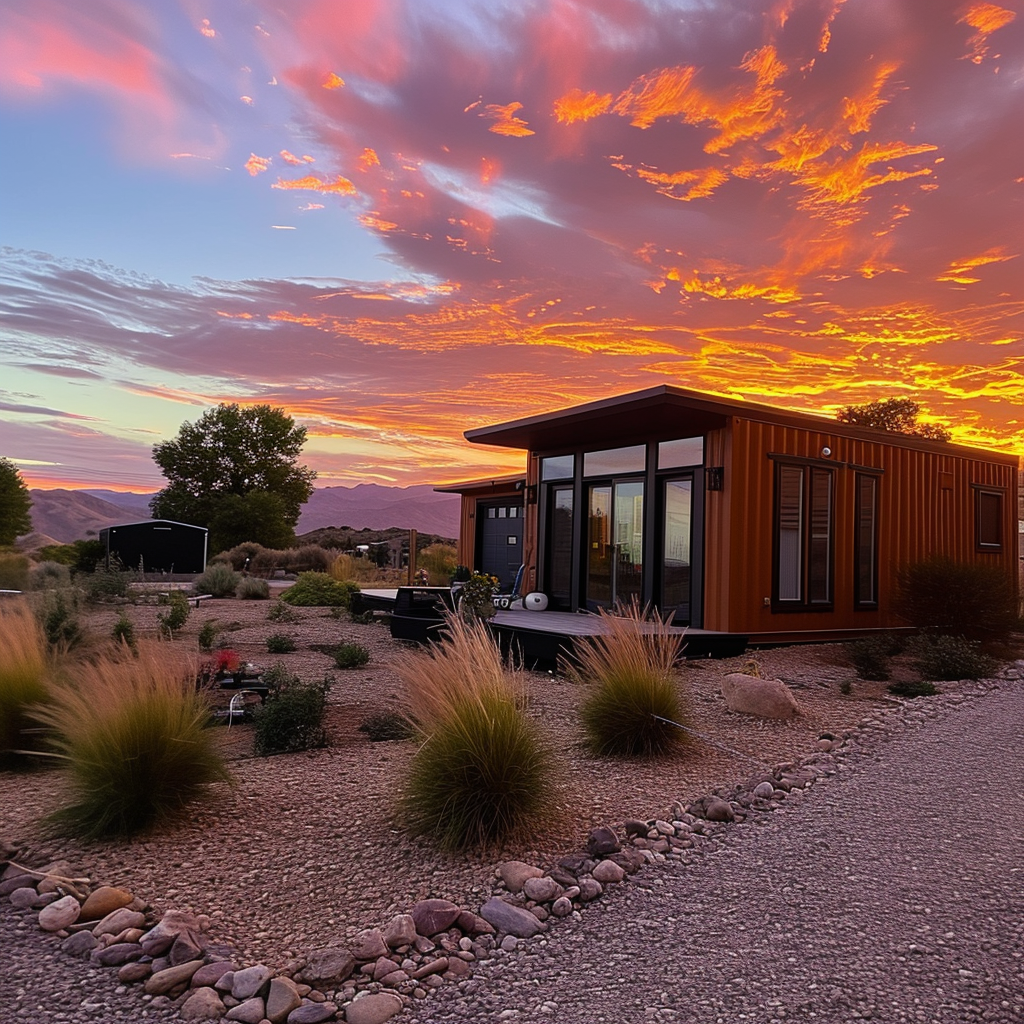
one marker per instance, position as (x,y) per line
(804,528)
(989,519)
(865,543)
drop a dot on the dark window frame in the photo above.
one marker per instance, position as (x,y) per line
(809,563)
(861,602)
(981,493)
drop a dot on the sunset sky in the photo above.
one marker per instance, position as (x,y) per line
(400,219)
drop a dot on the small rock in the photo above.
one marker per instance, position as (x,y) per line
(608,871)
(81,944)
(508,918)
(313,1013)
(133,972)
(400,931)
(203,1004)
(438,966)
(209,974)
(372,1009)
(434,916)
(720,810)
(282,998)
(473,924)
(117,954)
(764,790)
(634,828)
(117,921)
(250,981)
(249,1012)
(514,874)
(17,881)
(328,967)
(562,907)
(169,978)
(370,944)
(542,889)
(602,841)
(27,898)
(590,889)
(60,914)
(185,948)
(161,936)
(764,698)
(103,901)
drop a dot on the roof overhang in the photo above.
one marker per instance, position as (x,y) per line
(496,484)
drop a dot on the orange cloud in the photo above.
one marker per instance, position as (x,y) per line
(206,30)
(257,164)
(858,110)
(367,159)
(985,19)
(959,271)
(505,121)
(295,161)
(684,185)
(332,81)
(311,183)
(577,105)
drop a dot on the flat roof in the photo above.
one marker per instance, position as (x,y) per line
(669,410)
(482,483)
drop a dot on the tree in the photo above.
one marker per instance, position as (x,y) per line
(15,503)
(235,462)
(897,415)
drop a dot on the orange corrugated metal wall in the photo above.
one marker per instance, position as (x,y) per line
(918,517)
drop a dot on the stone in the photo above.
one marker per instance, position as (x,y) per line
(161,936)
(202,1004)
(765,698)
(27,898)
(103,901)
(764,791)
(608,871)
(434,916)
(438,966)
(169,978)
(635,829)
(185,948)
(473,924)
(400,931)
(17,881)
(562,907)
(542,889)
(720,810)
(372,1009)
(118,921)
(52,875)
(81,944)
(602,841)
(250,981)
(394,979)
(456,969)
(370,944)
(60,914)
(210,974)
(328,967)
(133,972)
(282,998)
(590,889)
(117,954)
(514,874)
(313,1013)
(384,966)
(510,919)
(630,860)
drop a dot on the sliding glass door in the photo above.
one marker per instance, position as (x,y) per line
(676,539)
(615,542)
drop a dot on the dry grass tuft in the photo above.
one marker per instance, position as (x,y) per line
(23,674)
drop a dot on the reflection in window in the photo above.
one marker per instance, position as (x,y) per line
(684,451)
(557,467)
(613,461)
(865,541)
(989,516)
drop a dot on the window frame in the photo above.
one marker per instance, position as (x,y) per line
(809,564)
(859,601)
(981,492)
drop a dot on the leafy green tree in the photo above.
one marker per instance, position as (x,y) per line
(15,503)
(897,415)
(239,464)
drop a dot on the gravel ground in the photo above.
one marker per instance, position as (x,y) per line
(891,892)
(306,850)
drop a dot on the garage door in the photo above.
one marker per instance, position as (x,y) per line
(500,540)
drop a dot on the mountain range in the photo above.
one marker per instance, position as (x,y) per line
(66,515)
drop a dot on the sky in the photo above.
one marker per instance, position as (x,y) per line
(402,219)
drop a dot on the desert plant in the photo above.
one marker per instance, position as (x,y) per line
(319,590)
(968,599)
(309,558)
(352,567)
(58,615)
(951,657)
(870,656)
(176,615)
(241,555)
(280,643)
(351,655)
(107,582)
(280,612)
(208,635)
(252,588)
(481,772)
(49,576)
(14,574)
(218,579)
(631,695)
(386,725)
(476,599)
(439,561)
(132,734)
(292,717)
(23,681)
(913,688)
(123,631)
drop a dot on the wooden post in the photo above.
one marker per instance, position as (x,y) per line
(412,557)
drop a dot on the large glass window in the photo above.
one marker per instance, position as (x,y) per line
(560,543)
(865,543)
(557,467)
(613,461)
(615,540)
(675,566)
(683,451)
(804,518)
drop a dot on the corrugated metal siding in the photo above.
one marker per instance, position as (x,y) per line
(917,518)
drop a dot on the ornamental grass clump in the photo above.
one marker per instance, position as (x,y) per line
(630,685)
(131,731)
(319,590)
(482,773)
(218,580)
(23,677)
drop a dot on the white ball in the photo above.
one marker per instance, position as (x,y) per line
(535,602)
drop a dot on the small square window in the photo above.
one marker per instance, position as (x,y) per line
(989,519)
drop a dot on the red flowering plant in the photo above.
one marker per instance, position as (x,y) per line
(220,665)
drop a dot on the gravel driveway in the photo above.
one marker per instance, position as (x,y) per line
(892,892)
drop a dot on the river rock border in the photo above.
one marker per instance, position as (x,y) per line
(435,942)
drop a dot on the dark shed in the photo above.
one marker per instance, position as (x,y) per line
(157,545)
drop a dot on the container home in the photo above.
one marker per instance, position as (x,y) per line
(157,545)
(738,517)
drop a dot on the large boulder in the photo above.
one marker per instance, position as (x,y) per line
(765,698)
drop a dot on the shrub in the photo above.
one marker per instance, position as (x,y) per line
(280,643)
(252,588)
(309,558)
(292,717)
(124,631)
(319,590)
(208,634)
(349,655)
(49,576)
(107,583)
(13,571)
(957,598)
(481,772)
(628,673)
(280,612)
(951,657)
(476,597)
(870,656)
(916,688)
(218,579)
(240,554)
(22,675)
(386,725)
(176,615)
(353,567)
(58,615)
(132,734)
(439,561)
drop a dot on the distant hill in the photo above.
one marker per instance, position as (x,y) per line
(69,515)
